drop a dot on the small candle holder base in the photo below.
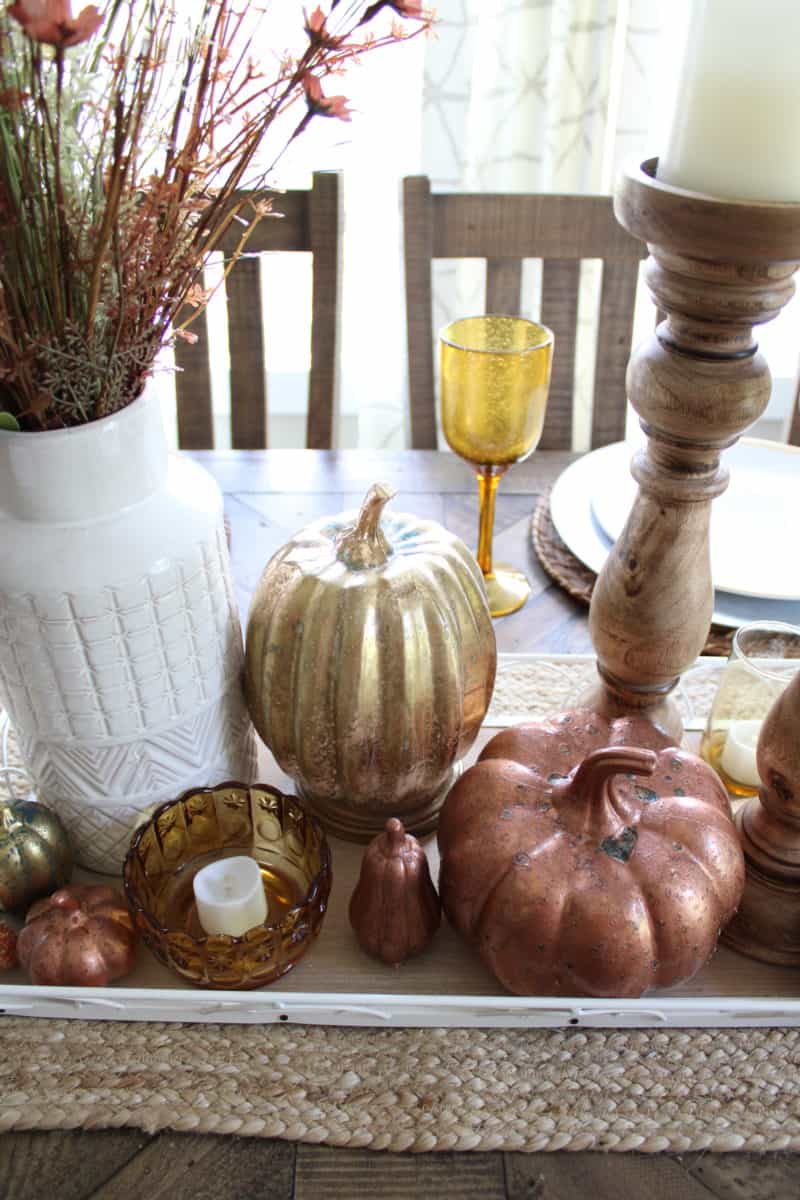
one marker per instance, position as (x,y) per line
(767,924)
(612,699)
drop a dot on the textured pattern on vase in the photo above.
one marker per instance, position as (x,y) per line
(100,792)
(125,696)
(116,662)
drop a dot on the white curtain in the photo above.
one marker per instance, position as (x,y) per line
(554,96)
(518,95)
(505,95)
(373,152)
(538,95)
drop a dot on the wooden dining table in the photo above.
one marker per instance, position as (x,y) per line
(269,495)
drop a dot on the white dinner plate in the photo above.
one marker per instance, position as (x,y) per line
(750,554)
(571,510)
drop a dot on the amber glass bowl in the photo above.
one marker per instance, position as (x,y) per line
(206,824)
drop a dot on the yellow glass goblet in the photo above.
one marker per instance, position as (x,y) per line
(495,378)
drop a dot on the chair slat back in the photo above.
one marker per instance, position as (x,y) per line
(560,282)
(310,221)
(503,285)
(248,378)
(794,424)
(325,234)
(504,230)
(617,304)
(193,389)
(418,253)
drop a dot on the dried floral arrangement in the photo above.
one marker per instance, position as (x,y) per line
(127,138)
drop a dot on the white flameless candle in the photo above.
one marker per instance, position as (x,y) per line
(230,896)
(738,758)
(734,128)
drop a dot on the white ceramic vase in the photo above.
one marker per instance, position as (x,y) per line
(120,643)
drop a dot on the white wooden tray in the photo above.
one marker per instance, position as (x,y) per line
(336,984)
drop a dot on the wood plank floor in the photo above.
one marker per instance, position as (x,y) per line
(130,1165)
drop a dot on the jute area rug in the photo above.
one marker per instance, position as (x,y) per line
(417,1089)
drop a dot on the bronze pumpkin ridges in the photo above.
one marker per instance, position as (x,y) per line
(370,664)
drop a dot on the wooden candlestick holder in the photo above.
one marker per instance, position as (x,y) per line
(717,268)
(767,925)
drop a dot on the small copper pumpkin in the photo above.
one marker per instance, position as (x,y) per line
(395,909)
(35,854)
(81,936)
(8,947)
(579,866)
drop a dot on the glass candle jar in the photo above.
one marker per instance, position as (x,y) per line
(764,656)
(207,825)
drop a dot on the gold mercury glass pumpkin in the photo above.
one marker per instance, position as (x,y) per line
(370,662)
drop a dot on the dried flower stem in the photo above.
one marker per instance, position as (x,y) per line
(125,156)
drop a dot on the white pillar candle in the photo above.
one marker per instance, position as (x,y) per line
(230,896)
(738,758)
(734,130)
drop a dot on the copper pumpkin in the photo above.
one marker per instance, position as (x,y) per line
(395,909)
(370,663)
(581,865)
(81,936)
(8,947)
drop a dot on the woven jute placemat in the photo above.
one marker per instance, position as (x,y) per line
(419,1089)
(578,580)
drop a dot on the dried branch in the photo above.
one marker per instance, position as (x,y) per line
(126,140)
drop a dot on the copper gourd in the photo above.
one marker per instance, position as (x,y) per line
(81,936)
(395,909)
(35,854)
(586,857)
(370,663)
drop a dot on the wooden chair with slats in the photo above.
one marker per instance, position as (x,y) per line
(310,221)
(504,230)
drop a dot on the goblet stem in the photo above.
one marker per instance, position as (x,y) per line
(488,479)
(507,589)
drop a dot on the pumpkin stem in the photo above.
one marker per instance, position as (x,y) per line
(364,544)
(591,785)
(395,834)
(601,765)
(8,819)
(591,779)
